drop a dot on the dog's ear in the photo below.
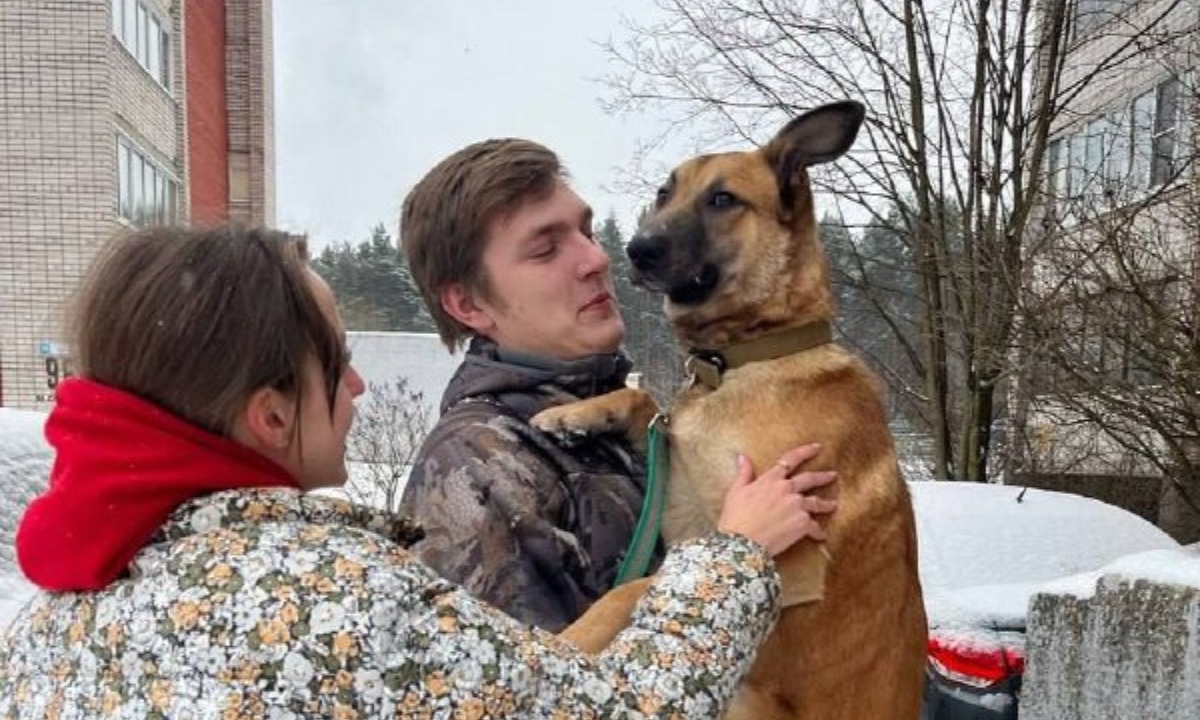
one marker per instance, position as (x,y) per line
(818,136)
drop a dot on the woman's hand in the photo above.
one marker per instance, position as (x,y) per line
(774,510)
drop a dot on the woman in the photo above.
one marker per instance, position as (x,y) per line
(191,577)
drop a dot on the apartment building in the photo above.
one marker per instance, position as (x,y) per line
(1104,393)
(117,114)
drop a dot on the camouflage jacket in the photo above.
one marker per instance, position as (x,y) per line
(534,525)
(272,604)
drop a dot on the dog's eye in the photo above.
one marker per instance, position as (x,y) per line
(661,198)
(720,200)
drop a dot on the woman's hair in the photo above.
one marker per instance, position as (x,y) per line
(446,216)
(197,320)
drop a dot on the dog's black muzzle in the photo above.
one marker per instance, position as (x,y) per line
(649,254)
(660,264)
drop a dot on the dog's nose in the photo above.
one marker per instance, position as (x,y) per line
(647,252)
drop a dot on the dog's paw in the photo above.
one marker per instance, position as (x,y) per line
(575,421)
(625,411)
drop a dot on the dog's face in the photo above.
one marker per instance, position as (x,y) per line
(732,240)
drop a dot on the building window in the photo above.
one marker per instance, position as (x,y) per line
(1140,146)
(1077,182)
(1094,154)
(146,193)
(1091,14)
(1143,139)
(1189,106)
(1116,151)
(1058,168)
(1169,128)
(145,36)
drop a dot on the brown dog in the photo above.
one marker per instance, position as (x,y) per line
(733,245)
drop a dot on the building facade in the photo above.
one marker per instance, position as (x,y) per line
(1105,392)
(117,114)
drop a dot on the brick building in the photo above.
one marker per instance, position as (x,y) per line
(117,114)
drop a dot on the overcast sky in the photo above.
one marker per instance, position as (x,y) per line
(372,93)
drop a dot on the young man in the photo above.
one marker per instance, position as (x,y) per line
(503,253)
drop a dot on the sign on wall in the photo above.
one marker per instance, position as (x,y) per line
(57,360)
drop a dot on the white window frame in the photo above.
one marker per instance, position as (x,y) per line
(1094,154)
(1077,182)
(1116,161)
(147,193)
(1167,95)
(1188,105)
(129,31)
(144,33)
(1088,15)
(1058,168)
(1141,146)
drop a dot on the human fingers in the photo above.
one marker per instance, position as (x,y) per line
(814,505)
(794,458)
(765,510)
(744,471)
(816,532)
(789,521)
(769,512)
(811,480)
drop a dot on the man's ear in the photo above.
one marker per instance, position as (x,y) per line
(460,304)
(269,419)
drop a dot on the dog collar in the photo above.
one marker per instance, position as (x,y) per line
(707,366)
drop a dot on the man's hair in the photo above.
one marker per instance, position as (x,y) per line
(446,216)
(195,321)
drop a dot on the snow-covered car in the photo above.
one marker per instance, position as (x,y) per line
(25,460)
(984,551)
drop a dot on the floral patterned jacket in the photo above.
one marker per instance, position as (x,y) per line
(273,604)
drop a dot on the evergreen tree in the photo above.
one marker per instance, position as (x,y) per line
(374,288)
(878,307)
(609,237)
(649,339)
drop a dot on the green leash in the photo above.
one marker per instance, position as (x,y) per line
(649,525)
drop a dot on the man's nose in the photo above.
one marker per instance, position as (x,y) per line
(595,258)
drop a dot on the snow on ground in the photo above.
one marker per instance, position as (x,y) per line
(24,466)
(381,357)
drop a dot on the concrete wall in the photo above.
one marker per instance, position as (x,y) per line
(1131,650)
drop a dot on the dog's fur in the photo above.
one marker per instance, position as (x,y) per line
(733,245)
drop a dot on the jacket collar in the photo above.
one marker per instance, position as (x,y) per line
(514,377)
